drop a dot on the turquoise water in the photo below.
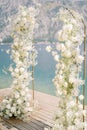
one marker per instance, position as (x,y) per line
(43,74)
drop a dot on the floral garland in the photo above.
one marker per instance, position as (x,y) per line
(18,103)
(69,64)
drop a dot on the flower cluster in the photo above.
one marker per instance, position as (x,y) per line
(24,22)
(69,64)
(17,104)
(73,27)
(23,54)
(69,115)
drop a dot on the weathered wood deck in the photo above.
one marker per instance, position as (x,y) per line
(41,118)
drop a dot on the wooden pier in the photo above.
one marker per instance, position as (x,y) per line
(40,119)
(43,117)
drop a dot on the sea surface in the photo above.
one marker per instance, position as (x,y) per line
(44,71)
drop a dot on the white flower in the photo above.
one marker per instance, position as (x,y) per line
(54,53)
(18,112)
(5,101)
(7,112)
(84,112)
(8,51)
(17,95)
(48,48)
(72,79)
(10,114)
(11,69)
(30,109)
(60,36)
(16,70)
(63,48)
(8,106)
(71,128)
(65,84)
(80,106)
(67,54)
(68,28)
(22,69)
(81,97)
(79,59)
(24,13)
(19,101)
(15,81)
(59,92)
(22,93)
(56,57)
(13,109)
(68,44)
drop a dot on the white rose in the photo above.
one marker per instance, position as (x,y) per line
(22,93)
(81,106)
(26,89)
(18,112)
(72,79)
(84,112)
(81,97)
(16,70)
(15,82)
(71,127)
(24,13)
(15,44)
(79,59)
(60,38)
(24,20)
(22,69)
(11,69)
(59,92)
(5,101)
(68,44)
(10,114)
(7,112)
(68,28)
(63,48)
(13,109)
(54,53)
(17,95)
(56,57)
(19,101)
(65,84)
(67,54)
(30,109)
(72,103)
(48,48)
(8,106)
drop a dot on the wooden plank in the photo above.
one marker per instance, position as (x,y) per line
(40,118)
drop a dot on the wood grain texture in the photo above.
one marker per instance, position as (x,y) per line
(42,117)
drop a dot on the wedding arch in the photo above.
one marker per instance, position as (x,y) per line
(68,58)
(71,114)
